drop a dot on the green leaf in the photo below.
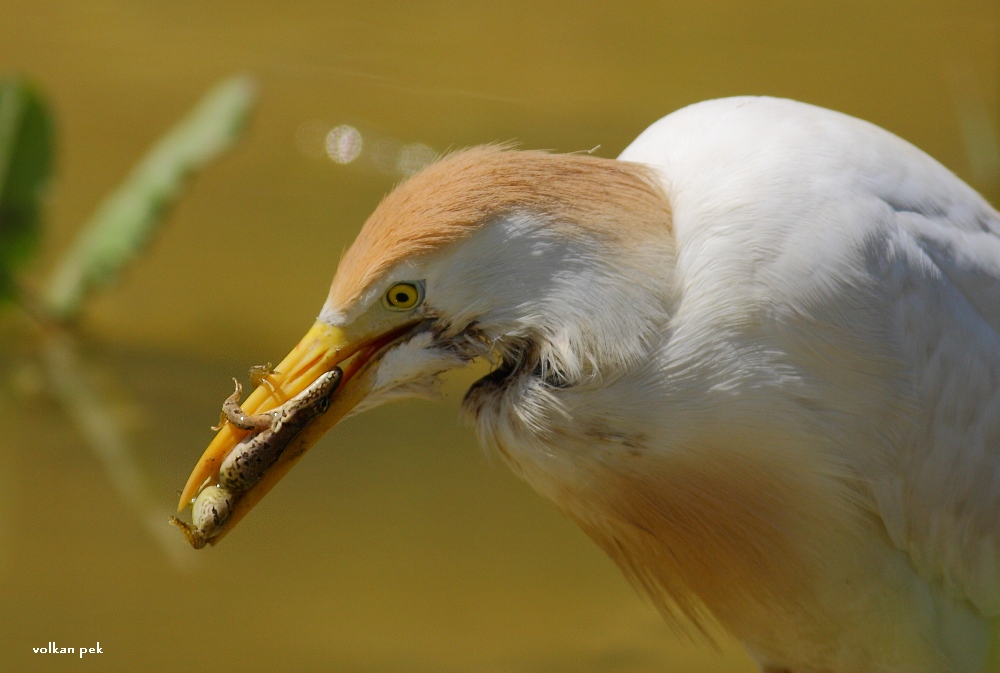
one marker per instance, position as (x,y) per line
(25,169)
(131,214)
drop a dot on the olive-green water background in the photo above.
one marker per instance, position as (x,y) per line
(396,545)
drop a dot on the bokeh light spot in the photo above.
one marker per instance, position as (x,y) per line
(413,157)
(343,144)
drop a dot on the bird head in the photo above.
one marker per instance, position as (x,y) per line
(556,268)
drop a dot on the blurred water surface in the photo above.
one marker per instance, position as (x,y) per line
(396,545)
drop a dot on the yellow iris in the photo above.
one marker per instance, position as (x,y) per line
(402,296)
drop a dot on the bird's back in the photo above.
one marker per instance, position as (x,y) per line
(873,274)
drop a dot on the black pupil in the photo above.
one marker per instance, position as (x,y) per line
(401,297)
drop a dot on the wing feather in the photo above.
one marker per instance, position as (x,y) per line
(947,323)
(883,269)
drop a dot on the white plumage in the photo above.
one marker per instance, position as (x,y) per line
(869,275)
(761,369)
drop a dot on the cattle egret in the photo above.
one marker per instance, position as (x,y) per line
(756,359)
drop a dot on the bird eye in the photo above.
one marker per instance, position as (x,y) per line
(402,296)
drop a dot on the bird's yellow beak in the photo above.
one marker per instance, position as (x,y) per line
(323,348)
